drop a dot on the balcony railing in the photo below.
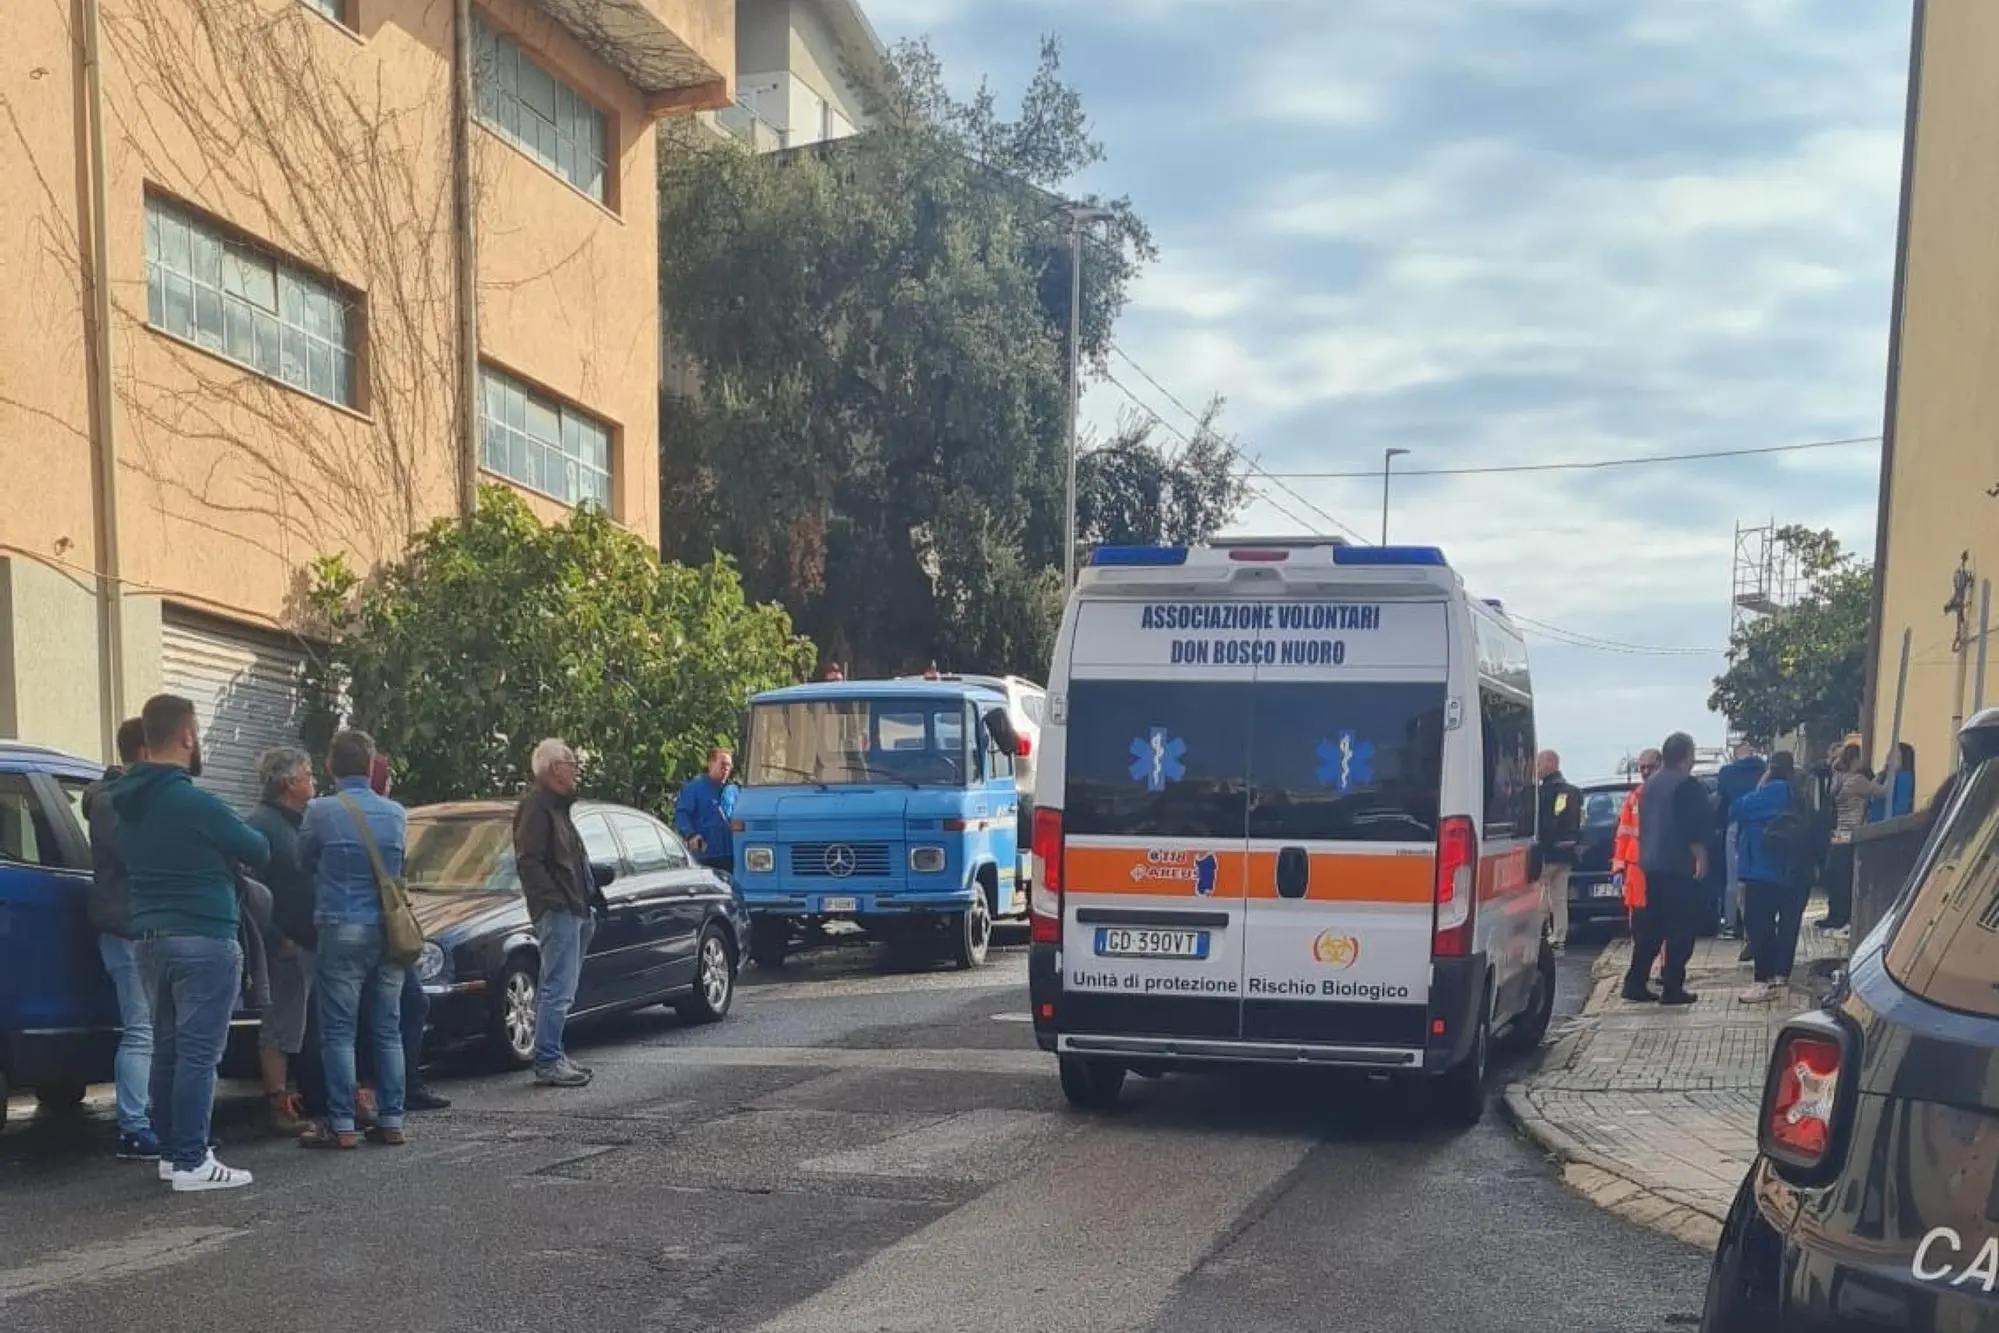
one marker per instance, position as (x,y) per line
(740,122)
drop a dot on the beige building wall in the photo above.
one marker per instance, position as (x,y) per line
(1942,458)
(329,145)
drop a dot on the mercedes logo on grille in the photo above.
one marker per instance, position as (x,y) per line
(840,860)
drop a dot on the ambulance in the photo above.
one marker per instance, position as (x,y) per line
(1285,815)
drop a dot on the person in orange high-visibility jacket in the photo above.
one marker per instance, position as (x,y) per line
(1624,851)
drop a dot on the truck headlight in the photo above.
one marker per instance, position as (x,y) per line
(429,963)
(928,860)
(759,860)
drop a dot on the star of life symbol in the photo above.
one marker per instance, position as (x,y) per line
(1156,759)
(1346,763)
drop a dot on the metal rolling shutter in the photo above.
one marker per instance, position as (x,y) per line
(245,687)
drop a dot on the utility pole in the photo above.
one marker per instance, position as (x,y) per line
(1959,607)
(1080,216)
(1388,456)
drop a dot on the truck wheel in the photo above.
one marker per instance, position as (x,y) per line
(1091,1085)
(4,1094)
(1531,1026)
(60,1097)
(770,940)
(973,934)
(1460,1090)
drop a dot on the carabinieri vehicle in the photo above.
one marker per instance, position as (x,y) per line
(888,803)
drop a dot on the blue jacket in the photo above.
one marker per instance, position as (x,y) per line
(1902,795)
(1736,779)
(331,851)
(703,810)
(181,846)
(1753,813)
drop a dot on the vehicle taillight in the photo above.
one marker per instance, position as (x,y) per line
(1457,888)
(1044,903)
(1026,747)
(1803,1099)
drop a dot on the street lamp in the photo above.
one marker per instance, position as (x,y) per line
(1387,456)
(1080,216)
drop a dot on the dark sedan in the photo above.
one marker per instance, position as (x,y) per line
(1874,1199)
(669,931)
(1593,894)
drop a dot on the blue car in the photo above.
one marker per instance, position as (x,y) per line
(892,804)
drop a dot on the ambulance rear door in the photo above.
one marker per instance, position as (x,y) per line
(1155,787)
(1347,772)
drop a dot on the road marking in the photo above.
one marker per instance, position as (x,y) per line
(986,1144)
(831,1057)
(1011,1017)
(1093,1240)
(106,1261)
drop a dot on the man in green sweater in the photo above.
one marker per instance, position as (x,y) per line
(181,847)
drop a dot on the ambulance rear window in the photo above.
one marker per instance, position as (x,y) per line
(1346,762)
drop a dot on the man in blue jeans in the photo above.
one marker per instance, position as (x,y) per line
(110,910)
(340,838)
(181,847)
(556,880)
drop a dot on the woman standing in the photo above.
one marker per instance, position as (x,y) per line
(1773,849)
(1853,789)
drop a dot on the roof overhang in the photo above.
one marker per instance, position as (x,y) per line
(680,54)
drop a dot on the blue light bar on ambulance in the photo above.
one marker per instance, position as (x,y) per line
(1387,555)
(1139,555)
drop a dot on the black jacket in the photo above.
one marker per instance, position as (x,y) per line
(1675,815)
(1559,831)
(109,904)
(548,853)
(290,885)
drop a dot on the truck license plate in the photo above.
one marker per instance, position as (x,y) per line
(839,904)
(1118,942)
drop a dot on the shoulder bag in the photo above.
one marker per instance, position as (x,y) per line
(402,937)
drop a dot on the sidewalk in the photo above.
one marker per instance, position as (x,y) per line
(1651,1111)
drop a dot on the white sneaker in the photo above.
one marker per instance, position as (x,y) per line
(1757,992)
(210,1175)
(166,1170)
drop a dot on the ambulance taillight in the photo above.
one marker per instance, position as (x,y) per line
(1044,903)
(1457,888)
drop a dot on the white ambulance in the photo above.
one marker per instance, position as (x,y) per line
(1285,815)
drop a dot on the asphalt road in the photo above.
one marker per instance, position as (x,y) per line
(852,1152)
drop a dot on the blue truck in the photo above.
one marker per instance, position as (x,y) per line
(892,804)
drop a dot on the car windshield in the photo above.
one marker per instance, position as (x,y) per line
(858,742)
(1601,806)
(460,854)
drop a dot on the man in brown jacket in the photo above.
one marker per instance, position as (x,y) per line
(556,880)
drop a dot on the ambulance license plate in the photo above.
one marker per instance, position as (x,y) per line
(1607,890)
(839,904)
(1119,942)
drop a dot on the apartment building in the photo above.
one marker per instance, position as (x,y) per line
(800,69)
(284,357)
(1937,541)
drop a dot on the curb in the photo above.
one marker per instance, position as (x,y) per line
(1603,1182)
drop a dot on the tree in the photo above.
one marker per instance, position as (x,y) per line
(1805,667)
(493,633)
(1131,490)
(876,424)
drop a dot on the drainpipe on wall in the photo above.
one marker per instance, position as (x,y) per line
(465,216)
(104,439)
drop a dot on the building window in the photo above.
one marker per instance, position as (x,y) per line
(543,444)
(241,302)
(333,9)
(537,112)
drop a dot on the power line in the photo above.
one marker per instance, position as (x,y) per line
(1131,361)
(1586,466)
(1578,639)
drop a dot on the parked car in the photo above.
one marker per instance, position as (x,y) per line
(58,1012)
(1873,1201)
(669,930)
(1594,895)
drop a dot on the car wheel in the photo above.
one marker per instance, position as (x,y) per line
(974,933)
(1460,1090)
(1531,1026)
(4,1094)
(60,1097)
(770,940)
(1091,1085)
(714,981)
(511,1029)
(1736,1301)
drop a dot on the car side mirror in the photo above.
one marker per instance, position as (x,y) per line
(1000,727)
(602,873)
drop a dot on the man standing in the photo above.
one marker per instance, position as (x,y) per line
(703,811)
(110,911)
(1624,862)
(180,846)
(556,880)
(343,838)
(1558,833)
(1737,778)
(285,778)
(1675,820)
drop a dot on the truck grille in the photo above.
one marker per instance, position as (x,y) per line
(840,860)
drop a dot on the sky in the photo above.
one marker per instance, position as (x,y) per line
(1499,233)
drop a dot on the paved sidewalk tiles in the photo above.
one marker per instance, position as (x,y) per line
(1652,1111)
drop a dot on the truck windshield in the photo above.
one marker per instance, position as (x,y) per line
(858,742)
